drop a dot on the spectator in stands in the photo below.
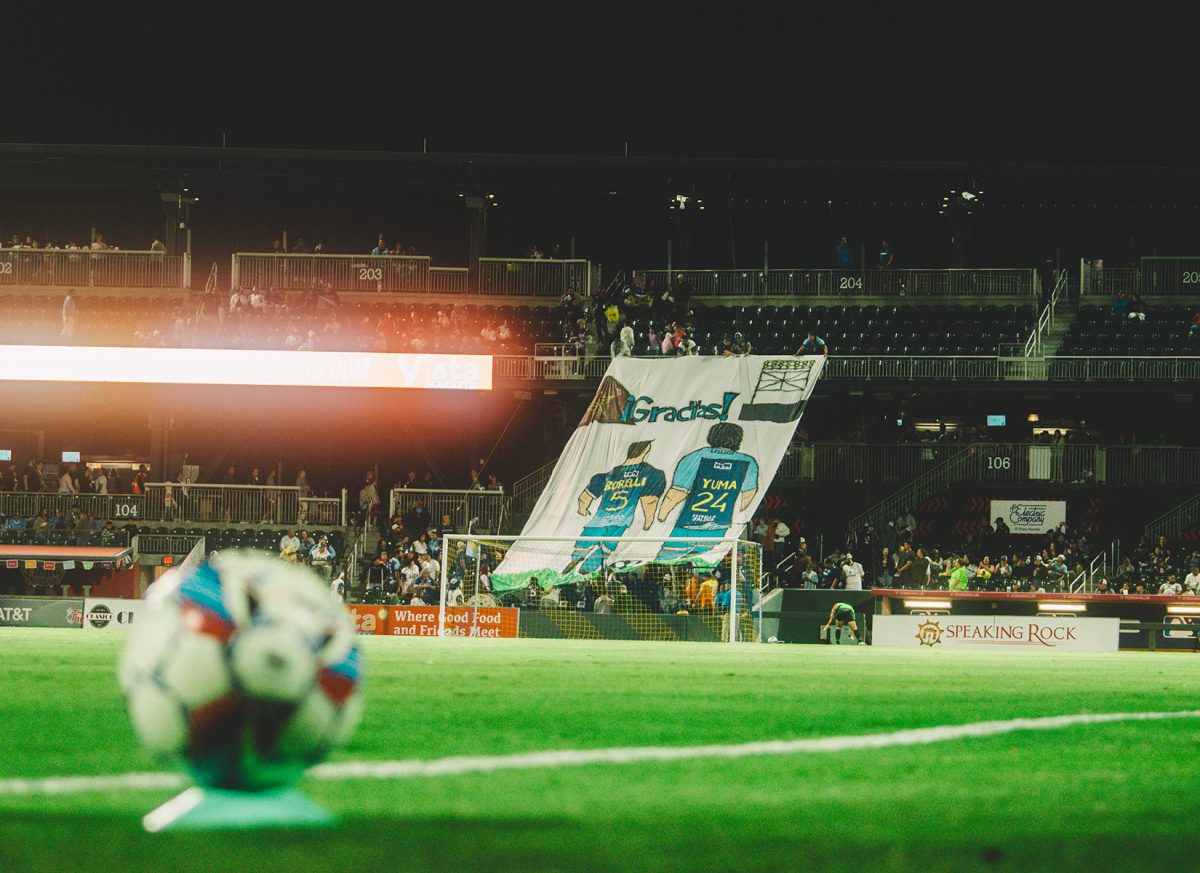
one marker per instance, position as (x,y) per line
(322,556)
(301,247)
(959,577)
(12,479)
(842,259)
(852,573)
(418,520)
(139,480)
(813,345)
(667,346)
(116,485)
(906,521)
(886,257)
(1194,329)
(1191,582)
(68,315)
(737,347)
(683,296)
(66,482)
(289,545)
(1137,309)
(1120,307)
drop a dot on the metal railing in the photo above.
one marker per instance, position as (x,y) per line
(942,368)
(535,277)
(1097,280)
(1174,276)
(449,280)
(339,272)
(115,507)
(1176,520)
(527,489)
(166,544)
(852,283)
(116,538)
(936,479)
(1055,463)
(1035,345)
(479,510)
(99,268)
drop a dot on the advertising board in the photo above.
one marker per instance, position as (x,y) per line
(1037,633)
(41,611)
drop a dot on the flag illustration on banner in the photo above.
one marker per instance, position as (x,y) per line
(11,565)
(68,565)
(31,565)
(87,565)
(669,447)
(48,565)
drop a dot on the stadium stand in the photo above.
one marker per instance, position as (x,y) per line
(1165,330)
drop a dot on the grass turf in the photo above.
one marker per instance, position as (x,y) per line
(1105,797)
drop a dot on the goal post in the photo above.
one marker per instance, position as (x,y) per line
(640,588)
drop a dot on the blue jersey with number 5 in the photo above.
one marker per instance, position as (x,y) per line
(714,480)
(620,490)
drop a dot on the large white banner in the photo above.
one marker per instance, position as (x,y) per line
(1029,516)
(669,447)
(1036,632)
(110,613)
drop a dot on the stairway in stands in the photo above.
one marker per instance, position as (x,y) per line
(956,468)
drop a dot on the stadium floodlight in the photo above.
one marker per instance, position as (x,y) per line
(927,604)
(1062,607)
(1180,609)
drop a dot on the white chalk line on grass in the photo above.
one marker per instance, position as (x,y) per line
(462,765)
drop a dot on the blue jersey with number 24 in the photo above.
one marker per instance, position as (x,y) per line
(714,480)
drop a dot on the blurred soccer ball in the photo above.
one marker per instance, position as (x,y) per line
(245,667)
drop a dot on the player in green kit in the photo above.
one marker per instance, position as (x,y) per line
(843,615)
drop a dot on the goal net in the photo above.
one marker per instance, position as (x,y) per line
(629,588)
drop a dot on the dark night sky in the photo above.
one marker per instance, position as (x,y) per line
(843,84)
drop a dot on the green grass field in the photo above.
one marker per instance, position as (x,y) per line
(1119,796)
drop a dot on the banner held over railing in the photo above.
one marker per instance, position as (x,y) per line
(680,447)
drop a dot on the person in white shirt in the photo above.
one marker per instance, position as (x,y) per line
(626,340)
(258,300)
(338,585)
(1191,582)
(100,483)
(852,572)
(66,483)
(289,545)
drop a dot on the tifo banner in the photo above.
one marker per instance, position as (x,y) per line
(669,447)
(1035,632)
(41,611)
(1029,516)
(110,613)
(422,621)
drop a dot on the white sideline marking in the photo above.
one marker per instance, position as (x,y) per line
(461,765)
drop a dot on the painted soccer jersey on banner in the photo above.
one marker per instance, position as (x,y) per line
(673,448)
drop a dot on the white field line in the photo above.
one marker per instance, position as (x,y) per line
(462,765)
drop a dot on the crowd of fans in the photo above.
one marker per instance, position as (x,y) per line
(74,479)
(994,560)
(316,320)
(28,243)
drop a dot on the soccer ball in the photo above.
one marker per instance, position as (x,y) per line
(245,667)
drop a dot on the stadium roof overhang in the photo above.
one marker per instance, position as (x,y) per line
(47,552)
